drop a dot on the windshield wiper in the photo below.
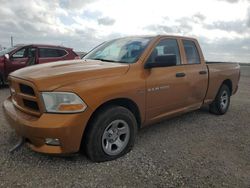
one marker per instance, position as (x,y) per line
(108,60)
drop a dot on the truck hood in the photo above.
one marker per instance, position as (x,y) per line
(50,76)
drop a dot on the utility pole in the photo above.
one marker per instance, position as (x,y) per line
(11,41)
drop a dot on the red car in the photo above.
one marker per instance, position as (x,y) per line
(26,55)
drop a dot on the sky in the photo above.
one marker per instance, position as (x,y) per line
(221,26)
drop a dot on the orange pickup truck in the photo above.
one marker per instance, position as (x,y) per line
(98,103)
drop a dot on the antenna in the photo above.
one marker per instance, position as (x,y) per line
(11,41)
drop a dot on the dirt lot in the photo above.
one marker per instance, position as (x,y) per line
(197,149)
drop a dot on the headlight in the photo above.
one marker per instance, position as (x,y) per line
(63,102)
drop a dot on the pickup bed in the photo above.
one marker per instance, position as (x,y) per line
(98,103)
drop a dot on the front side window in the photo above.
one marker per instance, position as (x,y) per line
(191,51)
(164,48)
(20,54)
(51,53)
(123,50)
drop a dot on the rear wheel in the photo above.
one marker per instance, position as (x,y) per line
(111,134)
(222,101)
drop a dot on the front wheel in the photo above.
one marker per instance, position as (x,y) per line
(222,101)
(111,134)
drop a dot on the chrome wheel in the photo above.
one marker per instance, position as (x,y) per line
(224,99)
(115,137)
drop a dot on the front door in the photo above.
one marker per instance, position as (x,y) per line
(166,87)
(16,61)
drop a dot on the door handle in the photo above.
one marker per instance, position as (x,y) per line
(203,72)
(180,74)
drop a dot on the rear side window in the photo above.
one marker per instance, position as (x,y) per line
(165,47)
(51,52)
(191,51)
(61,52)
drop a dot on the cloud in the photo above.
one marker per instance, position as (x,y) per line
(82,24)
(185,25)
(198,17)
(106,21)
(234,50)
(237,26)
(248,18)
(181,26)
(160,28)
(88,14)
(75,4)
(234,1)
(230,1)
(41,21)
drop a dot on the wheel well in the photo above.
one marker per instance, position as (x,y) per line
(124,102)
(229,84)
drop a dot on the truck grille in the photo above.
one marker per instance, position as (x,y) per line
(25,97)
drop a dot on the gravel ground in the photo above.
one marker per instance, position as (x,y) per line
(197,149)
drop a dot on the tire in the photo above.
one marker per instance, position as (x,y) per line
(222,101)
(111,134)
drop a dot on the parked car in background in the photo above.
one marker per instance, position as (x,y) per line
(22,56)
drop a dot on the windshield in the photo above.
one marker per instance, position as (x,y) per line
(6,51)
(123,50)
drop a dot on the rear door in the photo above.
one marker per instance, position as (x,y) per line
(166,87)
(196,73)
(47,54)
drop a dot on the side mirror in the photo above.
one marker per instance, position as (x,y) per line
(7,56)
(162,61)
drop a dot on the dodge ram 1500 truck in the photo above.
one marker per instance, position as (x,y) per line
(98,103)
